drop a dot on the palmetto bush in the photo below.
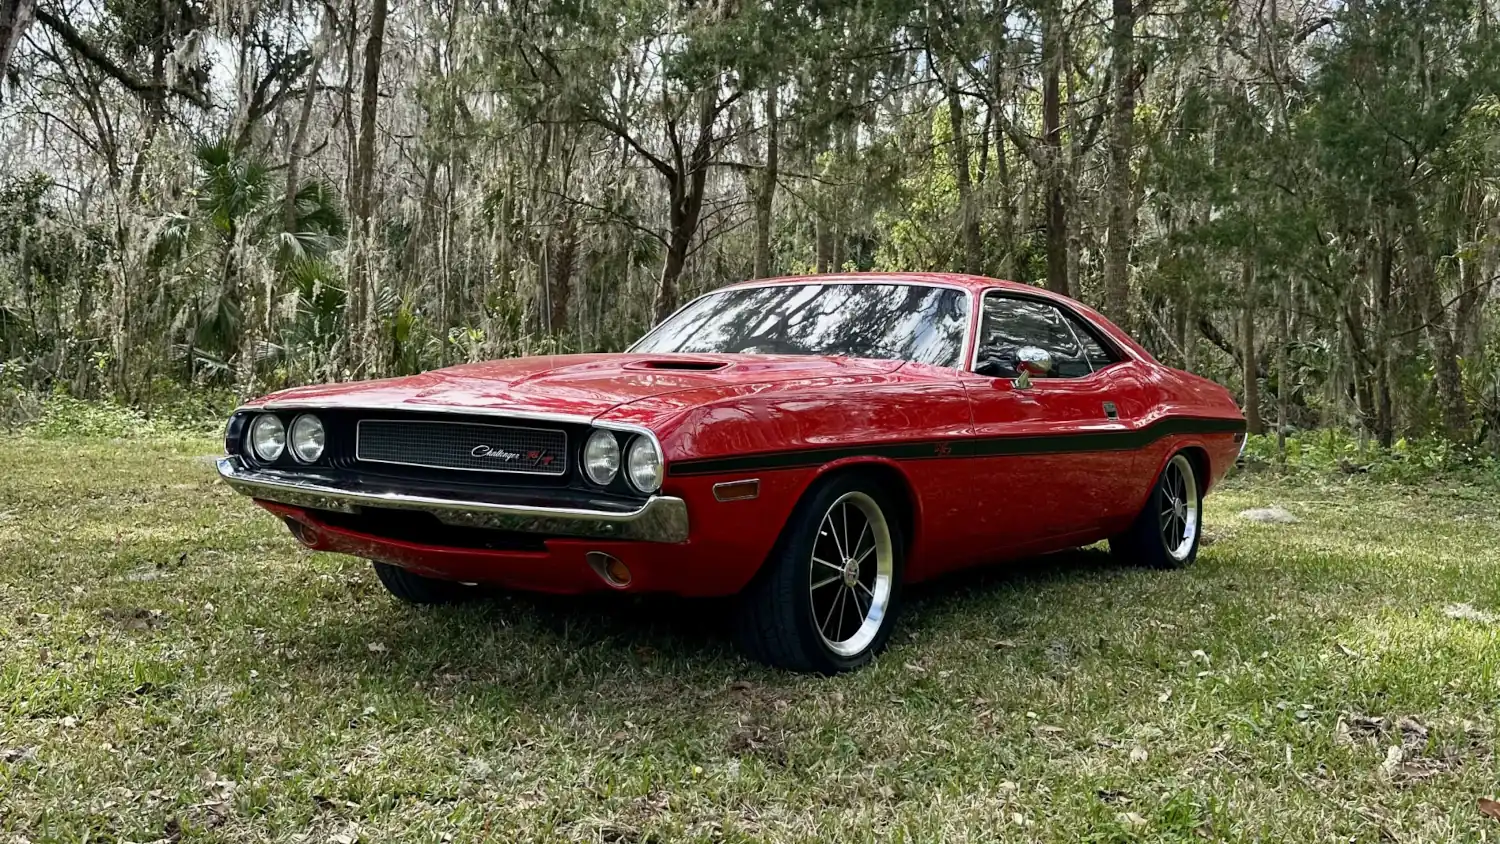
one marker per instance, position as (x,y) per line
(255,265)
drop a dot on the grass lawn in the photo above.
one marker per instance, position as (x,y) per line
(174,667)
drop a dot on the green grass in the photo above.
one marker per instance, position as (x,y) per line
(173,666)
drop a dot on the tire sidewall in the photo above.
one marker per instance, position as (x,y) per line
(1151,518)
(796,552)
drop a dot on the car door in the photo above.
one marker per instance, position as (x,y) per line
(1054,447)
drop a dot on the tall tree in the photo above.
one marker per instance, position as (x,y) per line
(765,193)
(1119,189)
(1055,173)
(363,314)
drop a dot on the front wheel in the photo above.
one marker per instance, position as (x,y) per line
(416,589)
(1165,534)
(827,598)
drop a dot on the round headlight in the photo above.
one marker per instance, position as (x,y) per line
(601,458)
(308,438)
(267,437)
(643,464)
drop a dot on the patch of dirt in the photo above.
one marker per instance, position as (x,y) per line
(17,755)
(1409,756)
(751,738)
(1270,516)
(134,618)
(1466,612)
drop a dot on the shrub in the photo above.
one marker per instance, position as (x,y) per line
(1339,452)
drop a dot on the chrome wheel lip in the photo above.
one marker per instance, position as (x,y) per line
(1178,519)
(870,592)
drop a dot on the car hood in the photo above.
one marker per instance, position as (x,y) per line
(576,385)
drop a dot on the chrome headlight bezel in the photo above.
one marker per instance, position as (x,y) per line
(600,458)
(645,467)
(270,425)
(298,426)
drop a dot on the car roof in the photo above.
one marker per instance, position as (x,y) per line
(971,283)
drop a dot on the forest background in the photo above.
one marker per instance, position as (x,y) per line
(211,198)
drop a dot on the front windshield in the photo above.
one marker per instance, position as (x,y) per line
(889,321)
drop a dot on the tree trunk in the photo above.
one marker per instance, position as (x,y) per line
(564,262)
(1121,223)
(1474,279)
(1057,215)
(678,242)
(361,286)
(1005,264)
(1453,408)
(15,16)
(346,96)
(1189,336)
(155,100)
(1249,370)
(1283,375)
(299,143)
(766,193)
(822,243)
(686,191)
(967,212)
(1385,419)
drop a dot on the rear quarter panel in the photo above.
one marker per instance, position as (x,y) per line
(1176,393)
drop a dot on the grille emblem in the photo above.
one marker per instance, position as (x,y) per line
(463,446)
(497,453)
(536,458)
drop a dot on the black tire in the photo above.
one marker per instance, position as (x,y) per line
(416,589)
(774,619)
(1173,511)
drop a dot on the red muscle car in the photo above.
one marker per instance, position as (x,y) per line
(808,444)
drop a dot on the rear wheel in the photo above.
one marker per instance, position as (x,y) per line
(1165,534)
(416,589)
(827,598)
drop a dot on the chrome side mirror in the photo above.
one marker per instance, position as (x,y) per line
(1033,361)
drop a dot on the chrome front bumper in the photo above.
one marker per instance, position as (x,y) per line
(659,518)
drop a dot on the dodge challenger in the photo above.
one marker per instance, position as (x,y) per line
(808,445)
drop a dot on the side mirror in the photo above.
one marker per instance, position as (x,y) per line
(1033,361)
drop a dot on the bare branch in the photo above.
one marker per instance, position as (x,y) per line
(104,63)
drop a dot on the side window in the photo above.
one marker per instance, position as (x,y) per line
(1008,324)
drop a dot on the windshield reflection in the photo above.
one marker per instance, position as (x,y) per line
(886,321)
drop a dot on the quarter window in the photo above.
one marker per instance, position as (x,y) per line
(1098,356)
(1011,323)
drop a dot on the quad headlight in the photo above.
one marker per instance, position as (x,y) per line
(308,438)
(643,464)
(601,457)
(267,437)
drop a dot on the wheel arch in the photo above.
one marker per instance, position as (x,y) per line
(890,479)
(1196,451)
(1198,456)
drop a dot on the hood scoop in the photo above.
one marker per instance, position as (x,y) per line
(678,365)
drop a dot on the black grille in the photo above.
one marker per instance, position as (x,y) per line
(465,446)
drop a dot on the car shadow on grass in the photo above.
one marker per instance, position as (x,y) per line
(557,648)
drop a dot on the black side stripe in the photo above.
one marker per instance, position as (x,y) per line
(951,448)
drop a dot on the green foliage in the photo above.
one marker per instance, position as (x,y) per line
(535,159)
(240,229)
(19,403)
(1338,452)
(172,411)
(64,416)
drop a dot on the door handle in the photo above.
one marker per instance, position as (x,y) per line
(1110,411)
